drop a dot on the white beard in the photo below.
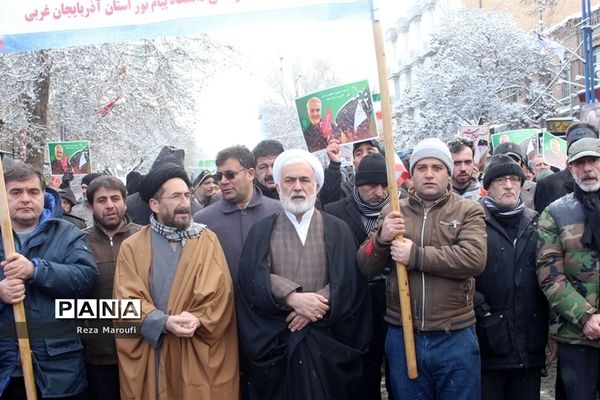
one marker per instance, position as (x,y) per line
(297,207)
(586,187)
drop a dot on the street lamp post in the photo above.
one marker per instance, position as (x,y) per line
(586,29)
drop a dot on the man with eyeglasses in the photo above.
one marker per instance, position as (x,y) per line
(567,269)
(516,153)
(240,206)
(187,347)
(462,180)
(511,310)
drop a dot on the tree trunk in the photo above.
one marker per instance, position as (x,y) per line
(37,105)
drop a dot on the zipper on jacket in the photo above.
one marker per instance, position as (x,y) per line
(425,212)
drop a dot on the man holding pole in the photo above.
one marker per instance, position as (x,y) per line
(52,261)
(443,248)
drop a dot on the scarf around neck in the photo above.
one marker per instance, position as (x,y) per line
(176,235)
(507,216)
(591,210)
(371,213)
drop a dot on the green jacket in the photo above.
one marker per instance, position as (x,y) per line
(567,271)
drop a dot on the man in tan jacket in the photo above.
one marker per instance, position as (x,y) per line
(188,344)
(443,248)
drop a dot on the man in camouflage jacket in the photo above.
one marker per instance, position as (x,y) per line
(568,272)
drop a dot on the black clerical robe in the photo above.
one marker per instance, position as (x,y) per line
(323,360)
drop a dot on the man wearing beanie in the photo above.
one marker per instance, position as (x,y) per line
(567,269)
(444,248)
(333,187)
(360,211)
(186,347)
(512,313)
(516,153)
(562,183)
(204,190)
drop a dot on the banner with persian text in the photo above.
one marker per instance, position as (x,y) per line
(37,24)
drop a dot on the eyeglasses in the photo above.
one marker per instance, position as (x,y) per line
(178,197)
(227,174)
(503,179)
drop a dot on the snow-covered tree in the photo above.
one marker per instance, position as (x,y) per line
(127,99)
(482,69)
(278,114)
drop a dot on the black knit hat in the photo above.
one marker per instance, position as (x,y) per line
(511,149)
(371,170)
(501,165)
(204,175)
(87,179)
(159,175)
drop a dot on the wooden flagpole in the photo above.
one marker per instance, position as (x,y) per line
(386,111)
(18,308)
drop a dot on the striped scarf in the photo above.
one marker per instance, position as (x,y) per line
(174,234)
(371,213)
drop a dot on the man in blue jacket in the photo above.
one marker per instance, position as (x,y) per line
(52,261)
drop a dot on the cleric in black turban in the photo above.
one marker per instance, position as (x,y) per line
(159,175)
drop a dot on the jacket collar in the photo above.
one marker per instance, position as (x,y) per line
(257,199)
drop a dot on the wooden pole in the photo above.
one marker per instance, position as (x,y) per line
(386,111)
(18,308)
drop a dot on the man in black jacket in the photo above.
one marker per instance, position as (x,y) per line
(511,309)
(561,183)
(360,211)
(265,153)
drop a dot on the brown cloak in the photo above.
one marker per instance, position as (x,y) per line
(202,367)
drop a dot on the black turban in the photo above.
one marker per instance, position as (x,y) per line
(159,175)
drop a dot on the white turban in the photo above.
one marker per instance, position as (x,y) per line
(294,156)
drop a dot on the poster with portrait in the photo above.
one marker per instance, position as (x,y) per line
(554,150)
(342,112)
(480,135)
(73,157)
(527,139)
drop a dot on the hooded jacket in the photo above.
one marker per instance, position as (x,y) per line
(64,269)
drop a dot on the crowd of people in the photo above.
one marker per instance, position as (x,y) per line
(272,278)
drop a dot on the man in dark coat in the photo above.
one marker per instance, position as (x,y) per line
(512,312)
(360,211)
(265,153)
(303,309)
(561,183)
(52,262)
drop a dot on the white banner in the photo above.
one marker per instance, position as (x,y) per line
(37,24)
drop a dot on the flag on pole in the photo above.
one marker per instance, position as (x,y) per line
(550,44)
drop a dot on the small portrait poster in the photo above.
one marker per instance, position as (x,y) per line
(527,139)
(73,157)
(554,150)
(480,135)
(342,112)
